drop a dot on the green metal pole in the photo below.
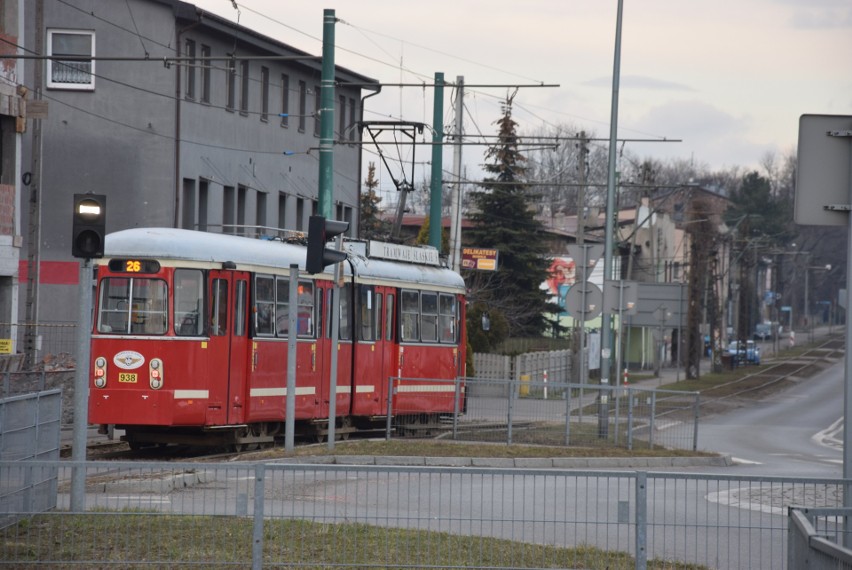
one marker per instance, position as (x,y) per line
(437,163)
(326,116)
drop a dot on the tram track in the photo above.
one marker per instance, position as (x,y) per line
(775,374)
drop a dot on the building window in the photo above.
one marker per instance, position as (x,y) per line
(352,119)
(232,85)
(300,214)
(303,105)
(244,87)
(285,100)
(205,74)
(260,211)
(189,66)
(264,93)
(317,103)
(342,119)
(242,191)
(282,211)
(70,67)
(228,203)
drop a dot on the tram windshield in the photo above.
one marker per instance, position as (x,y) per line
(132,305)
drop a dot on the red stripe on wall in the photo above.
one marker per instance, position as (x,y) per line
(53,272)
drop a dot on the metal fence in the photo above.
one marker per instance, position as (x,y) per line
(816,538)
(271,515)
(29,431)
(552,413)
(54,343)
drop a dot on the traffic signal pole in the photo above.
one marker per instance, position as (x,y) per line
(81,389)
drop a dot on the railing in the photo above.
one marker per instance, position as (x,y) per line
(816,538)
(269,515)
(552,413)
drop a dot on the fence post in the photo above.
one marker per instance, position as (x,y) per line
(617,425)
(514,387)
(391,388)
(641,520)
(456,398)
(630,419)
(653,416)
(257,530)
(568,414)
(695,426)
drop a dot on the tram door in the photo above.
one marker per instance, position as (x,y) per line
(228,346)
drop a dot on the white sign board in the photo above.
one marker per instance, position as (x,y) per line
(823,180)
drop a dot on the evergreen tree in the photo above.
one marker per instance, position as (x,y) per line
(372,225)
(503,220)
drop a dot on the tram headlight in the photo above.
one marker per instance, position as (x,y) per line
(99,372)
(155,373)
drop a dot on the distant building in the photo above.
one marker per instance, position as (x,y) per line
(183,119)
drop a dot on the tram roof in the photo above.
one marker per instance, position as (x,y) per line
(254,254)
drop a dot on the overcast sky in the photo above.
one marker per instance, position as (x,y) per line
(728,77)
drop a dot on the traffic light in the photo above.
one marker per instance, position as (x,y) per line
(320,232)
(87,239)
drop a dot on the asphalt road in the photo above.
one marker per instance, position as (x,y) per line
(796,432)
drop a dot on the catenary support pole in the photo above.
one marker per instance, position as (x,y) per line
(326,116)
(437,163)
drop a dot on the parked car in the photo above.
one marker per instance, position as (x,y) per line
(744,351)
(763,331)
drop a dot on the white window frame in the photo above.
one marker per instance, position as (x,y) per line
(51,84)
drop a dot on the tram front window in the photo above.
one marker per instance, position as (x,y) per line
(130,305)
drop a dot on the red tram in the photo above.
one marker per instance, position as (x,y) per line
(189,343)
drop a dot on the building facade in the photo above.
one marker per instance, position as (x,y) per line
(182,119)
(12,124)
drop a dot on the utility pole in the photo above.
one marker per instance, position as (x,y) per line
(34,233)
(456,204)
(606,317)
(581,193)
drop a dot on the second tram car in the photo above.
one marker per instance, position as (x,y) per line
(189,342)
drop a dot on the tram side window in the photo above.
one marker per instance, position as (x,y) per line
(264,305)
(304,308)
(389,319)
(345,331)
(240,308)
(367,308)
(219,308)
(189,302)
(410,315)
(447,318)
(429,310)
(133,306)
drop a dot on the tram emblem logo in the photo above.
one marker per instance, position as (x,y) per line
(128,359)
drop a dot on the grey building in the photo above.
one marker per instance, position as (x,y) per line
(182,119)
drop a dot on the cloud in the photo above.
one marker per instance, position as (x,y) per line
(639,82)
(819,14)
(708,134)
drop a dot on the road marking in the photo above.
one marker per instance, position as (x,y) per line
(741,461)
